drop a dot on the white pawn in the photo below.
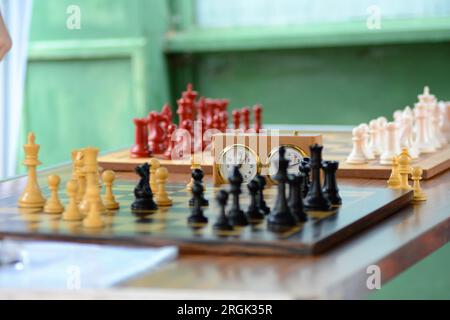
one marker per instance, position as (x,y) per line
(373,138)
(53,205)
(421,141)
(391,144)
(72,213)
(357,155)
(445,120)
(367,151)
(382,121)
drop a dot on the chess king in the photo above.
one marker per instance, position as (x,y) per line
(31,196)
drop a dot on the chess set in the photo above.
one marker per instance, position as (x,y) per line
(297,206)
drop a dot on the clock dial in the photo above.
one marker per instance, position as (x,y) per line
(294,155)
(242,156)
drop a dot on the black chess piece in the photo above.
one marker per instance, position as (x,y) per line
(330,189)
(142,192)
(197,175)
(236,215)
(253,213)
(305,168)
(197,215)
(281,216)
(222,222)
(315,200)
(261,203)
(295,196)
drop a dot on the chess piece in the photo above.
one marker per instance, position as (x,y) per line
(140,147)
(171,142)
(162,198)
(315,200)
(197,215)
(295,196)
(197,175)
(194,165)
(422,142)
(416,176)
(108,177)
(53,205)
(261,203)
(404,169)
(395,178)
(91,177)
(281,215)
(368,154)
(445,119)
(222,222)
(72,213)
(357,155)
(382,122)
(95,206)
(330,189)
(31,196)
(253,214)
(373,138)
(305,169)
(257,118)
(406,135)
(437,120)
(142,192)
(245,115)
(154,165)
(236,119)
(390,151)
(79,167)
(235,214)
(429,101)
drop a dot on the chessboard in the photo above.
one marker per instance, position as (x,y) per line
(337,146)
(361,208)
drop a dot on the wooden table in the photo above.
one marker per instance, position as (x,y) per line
(393,244)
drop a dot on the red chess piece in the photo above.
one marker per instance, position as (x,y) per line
(236,119)
(224,104)
(217,124)
(183,111)
(167,112)
(158,134)
(257,114)
(223,121)
(190,93)
(140,147)
(245,113)
(170,130)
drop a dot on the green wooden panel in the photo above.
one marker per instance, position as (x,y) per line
(428,279)
(321,85)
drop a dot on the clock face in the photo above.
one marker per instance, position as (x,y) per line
(242,156)
(293,154)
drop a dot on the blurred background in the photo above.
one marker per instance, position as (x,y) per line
(80,70)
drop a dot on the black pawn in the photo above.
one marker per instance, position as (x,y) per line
(305,169)
(281,216)
(315,200)
(222,222)
(236,215)
(330,189)
(253,213)
(197,175)
(142,192)
(295,196)
(261,203)
(197,211)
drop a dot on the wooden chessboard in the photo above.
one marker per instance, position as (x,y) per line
(337,146)
(362,207)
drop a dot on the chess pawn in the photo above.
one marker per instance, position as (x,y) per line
(373,138)
(31,196)
(404,169)
(53,205)
(253,214)
(422,142)
(72,213)
(108,177)
(395,178)
(193,166)
(222,222)
(154,165)
(197,215)
(93,218)
(366,150)
(382,122)
(357,155)
(161,197)
(416,176)
(391,144)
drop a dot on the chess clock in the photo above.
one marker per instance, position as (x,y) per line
(258,153)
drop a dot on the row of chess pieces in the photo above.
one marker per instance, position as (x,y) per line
(305,196)
(424,129)
(153,134)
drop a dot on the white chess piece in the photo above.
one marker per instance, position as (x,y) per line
(421,142)
(406,136)
(391,144)
(437,124)
(382,121)
(367,151)
(433,128)
(429,101)
(357,155)
(373,138)
(407,112)
(445,120)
